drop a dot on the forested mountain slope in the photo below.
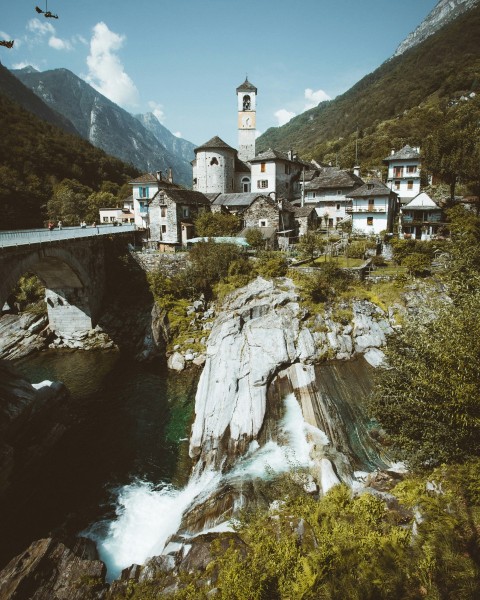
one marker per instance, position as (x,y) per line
(398,103)
(35,156)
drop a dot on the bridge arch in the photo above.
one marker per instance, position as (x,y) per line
(73,284)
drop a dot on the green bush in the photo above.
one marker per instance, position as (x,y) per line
(326,282)
(417,264)
(272,264)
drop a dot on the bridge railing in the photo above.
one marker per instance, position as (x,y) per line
(24,237)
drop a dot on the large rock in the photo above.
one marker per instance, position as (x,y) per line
(22,334)
(49,570)
(259,331)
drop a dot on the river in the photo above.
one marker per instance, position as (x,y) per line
(129,422)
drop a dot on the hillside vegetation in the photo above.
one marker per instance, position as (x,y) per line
(399,103)
(36,156)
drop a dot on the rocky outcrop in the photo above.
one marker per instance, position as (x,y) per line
(444,12)
(22,334)
(261,330)
(49,570)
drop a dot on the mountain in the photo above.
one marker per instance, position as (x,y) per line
(399,103)
(103,123)
(10,86)
(443,13)
(175,145)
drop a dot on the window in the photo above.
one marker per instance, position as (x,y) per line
(246,102)
(194,181)
(286,185)
(164,229)
(311,195)
(338,206)
(410,184)
(398,171)
(262,223)
(105,219)
(371,204)
(143,192)
(369,220)
(112,219)
(214,161)
(411,168)
(287,169)
(263,167)
(163,211)
(369,186)
(186,211)
(339,192)
(262,183)
(397,185)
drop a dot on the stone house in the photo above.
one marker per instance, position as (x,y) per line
(274,218)
(328,191)
(171,216)
(144,189)
(306,219)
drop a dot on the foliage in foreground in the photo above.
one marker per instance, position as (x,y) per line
(346,547)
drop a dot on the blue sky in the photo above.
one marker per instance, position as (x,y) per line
(183,59)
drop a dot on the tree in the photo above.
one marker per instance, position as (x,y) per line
(210,263)
(217,224)
(68,202)
(254,238)
(417,264)
(94,203)
(311,245)
(452,152)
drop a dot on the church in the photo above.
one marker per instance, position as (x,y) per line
(220,169)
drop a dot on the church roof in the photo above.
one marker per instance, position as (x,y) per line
(406,153)
(371,188)
(246,87)
(214,143)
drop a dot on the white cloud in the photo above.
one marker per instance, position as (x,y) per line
(106,73)
(157,110)
(40,28)
(312,98)
(178,134)
(59,44)
(283,116)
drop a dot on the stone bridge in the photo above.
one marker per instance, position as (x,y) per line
(71,264)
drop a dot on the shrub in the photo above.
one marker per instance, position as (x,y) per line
(417,264)
(272,264)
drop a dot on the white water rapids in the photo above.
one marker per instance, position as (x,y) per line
(147,515)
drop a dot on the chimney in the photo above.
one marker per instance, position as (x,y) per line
(159,176)
(170,175)
(290,154)
(392,152)
(356,171)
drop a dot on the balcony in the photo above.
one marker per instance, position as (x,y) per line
(421,219)
(354,209)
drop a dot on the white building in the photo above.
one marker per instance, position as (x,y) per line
(144,189)
(421,217)
(373,208)
(277,172)
(403,175)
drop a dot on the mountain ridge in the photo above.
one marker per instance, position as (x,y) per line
(102,122)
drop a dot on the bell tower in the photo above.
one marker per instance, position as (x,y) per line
(247,112)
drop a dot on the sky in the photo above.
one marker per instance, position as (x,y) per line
(183,59)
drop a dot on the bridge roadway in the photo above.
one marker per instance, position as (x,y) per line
(24,237)
(70,262)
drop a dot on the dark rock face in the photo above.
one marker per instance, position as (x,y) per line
(30,423)
(49,570)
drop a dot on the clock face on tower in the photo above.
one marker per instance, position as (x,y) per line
(246,120)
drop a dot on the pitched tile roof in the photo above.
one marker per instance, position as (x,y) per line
(150,178)
(246,86)
(303,211)
(406,153)
(240,199)
(277,155)
(214,143)
(332,177)
(186,196)
(371,188)
(420,201)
